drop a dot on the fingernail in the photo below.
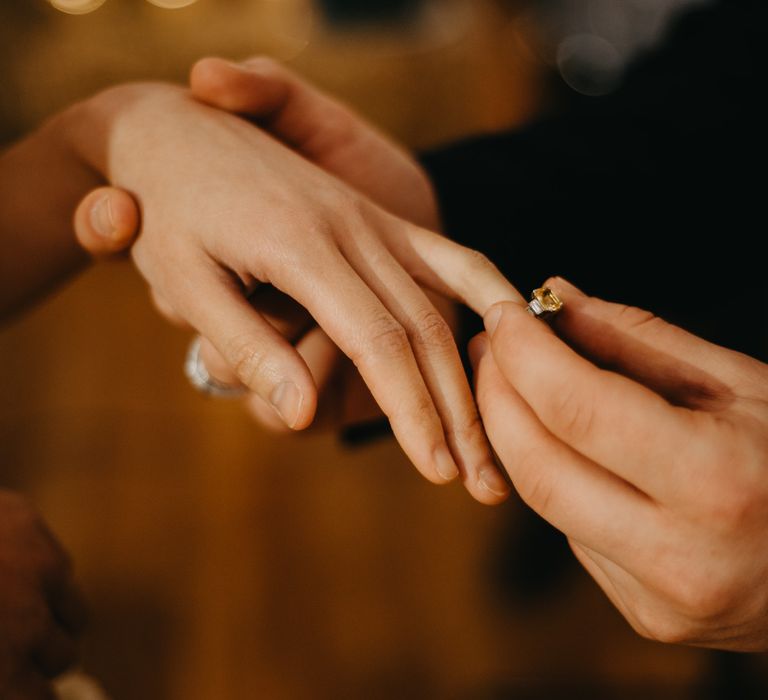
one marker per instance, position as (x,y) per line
(566,288)
(492,481)
(237,65)
(102,219)
(286,399)
(477,349)
(492,318)
(444,464)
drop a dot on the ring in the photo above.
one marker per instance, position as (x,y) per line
(200,379)
(545,304)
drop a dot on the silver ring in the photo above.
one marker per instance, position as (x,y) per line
(200,379)
(545,304)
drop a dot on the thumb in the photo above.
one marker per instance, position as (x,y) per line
(106,221)
(680,366)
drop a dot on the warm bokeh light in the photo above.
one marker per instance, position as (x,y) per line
(172,4)
(77,7)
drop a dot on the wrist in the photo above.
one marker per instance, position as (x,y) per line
(89,130)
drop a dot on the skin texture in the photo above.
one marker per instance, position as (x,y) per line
(40,610)
(648,448)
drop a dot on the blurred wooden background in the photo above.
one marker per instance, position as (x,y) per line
(224,563)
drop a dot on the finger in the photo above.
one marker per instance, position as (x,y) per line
(107,221)
(287,317)
(356,320)
(323,359)
(682,367)
(55,653)
(582,500)
(262,359)
(612,420)
(448,268)
(257,87)
(321,355)
(434,348)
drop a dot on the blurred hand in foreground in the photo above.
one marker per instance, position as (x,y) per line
(40,611)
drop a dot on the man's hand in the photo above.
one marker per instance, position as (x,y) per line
(40,610)
(648,448)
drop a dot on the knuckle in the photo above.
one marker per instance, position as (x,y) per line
(478,261)
(700,596)
(385,337)
(319,227)
(346,205)
(420,411)
(734,506)
(660,626)
(247,360)
(736,494)
(431,331)
(633,318)
(471,431)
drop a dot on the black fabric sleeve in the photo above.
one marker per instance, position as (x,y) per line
(653,195)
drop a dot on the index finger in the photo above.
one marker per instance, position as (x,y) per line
(608,418)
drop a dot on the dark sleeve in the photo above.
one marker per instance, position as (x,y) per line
(653,195)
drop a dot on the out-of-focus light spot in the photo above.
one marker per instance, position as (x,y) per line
(77,7)
(590,64)
(172,4)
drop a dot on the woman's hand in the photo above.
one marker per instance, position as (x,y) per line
(40,611)
(226,208)
(326,132)
(648,448)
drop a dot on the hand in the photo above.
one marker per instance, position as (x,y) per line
(352,265)
(648,448)
(327,133)
(336,139)
(40,611)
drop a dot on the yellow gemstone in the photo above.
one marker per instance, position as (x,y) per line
(549,301)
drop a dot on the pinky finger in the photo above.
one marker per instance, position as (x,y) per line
(107,221)
(322,358)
